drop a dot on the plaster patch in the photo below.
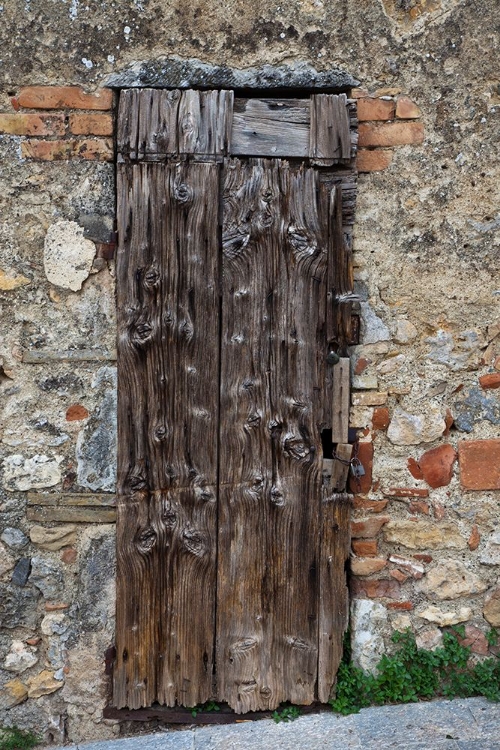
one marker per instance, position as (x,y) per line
(67,255)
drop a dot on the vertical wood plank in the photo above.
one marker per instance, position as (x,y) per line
(340,275)
(330,136)
(340,467)
(334,602)
(340,401)
(205,119)
(274,275)
(168,275)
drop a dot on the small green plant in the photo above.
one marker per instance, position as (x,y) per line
(412,674)
(286,713)
(12,738)
(204,707)
(492,637)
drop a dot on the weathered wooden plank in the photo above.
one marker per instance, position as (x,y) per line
(168,275)
(270,127)
(340,401)
(340,276)
(96,500)
(340,467)
(70,514)
(274,274)
(127,123)
(333,603)
(205,119)
(330,137)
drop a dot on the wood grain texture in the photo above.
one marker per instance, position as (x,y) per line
(168,275)
(274,274)
(341,401)
(270,127)
(334,599)
(340,467)
(330,135)
(156,123)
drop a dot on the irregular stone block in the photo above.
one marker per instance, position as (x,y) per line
(19,658)
(479,462)
(96,590)
(491,610)
(424,534)
(373,328)
(405,332)
(43,684)
(368,620)
(21,572)
(10,282)
(365,566)
(46,577)
(67,255)
(96,444)
(19,606)
(14,538)
(476,407)
(444,619)
(13,693)
(411,429)
(56,623)
(23,474)
(53,539)
(451,580)
(367,527)
(491,553)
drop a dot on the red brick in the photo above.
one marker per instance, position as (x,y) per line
(95,149)
(404,606)
(448,420)
(437,465)
(381,418)
(33,641)
(423,557)
(414,468)
(31,124)
(358,93)
(373,161)
(474,538)
(399,575)
(406,492)
(361,503)
(375,109)
(59,97)
(373,589)
(367,527)
(15,103)
(361,365)
(364,547)
(390,134)
(76,412)
(84,124)
(406,109)
(419,506)
(489,381)
(69,555)
(365,455)
(479,462)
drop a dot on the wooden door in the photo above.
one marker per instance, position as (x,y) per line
(233,280)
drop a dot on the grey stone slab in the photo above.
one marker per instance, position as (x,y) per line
(482,744)
(174,72)
(417,723)
(306,733)
(172,740)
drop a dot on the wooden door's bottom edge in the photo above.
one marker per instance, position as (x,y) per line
(180,715)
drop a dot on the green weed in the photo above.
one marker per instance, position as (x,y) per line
(12,738)
(286,713)
(412,674)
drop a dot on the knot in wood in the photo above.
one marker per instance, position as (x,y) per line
(160,433)
(277,497)
(194,542)
(151,278)
(296,448)
(183,193)
(145,540)
(142,333)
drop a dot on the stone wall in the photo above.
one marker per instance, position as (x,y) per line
(426,375)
